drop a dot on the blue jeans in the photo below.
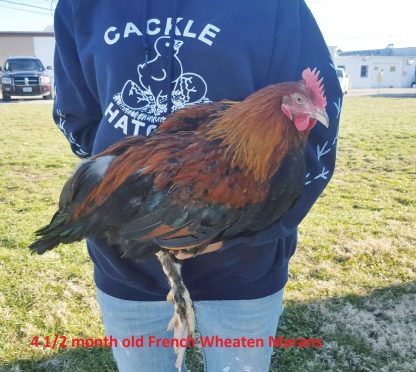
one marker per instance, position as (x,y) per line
(234,319)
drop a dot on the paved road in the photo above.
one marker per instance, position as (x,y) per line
(385,92)
(388,92)
(32,101)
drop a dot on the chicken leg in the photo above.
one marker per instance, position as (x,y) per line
(183,321)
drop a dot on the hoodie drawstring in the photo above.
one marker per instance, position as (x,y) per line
(144,38)
(170,57)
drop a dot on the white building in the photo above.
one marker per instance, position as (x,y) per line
(39,44)
(378,68)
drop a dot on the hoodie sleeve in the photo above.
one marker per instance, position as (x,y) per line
(76,110)
(299,42)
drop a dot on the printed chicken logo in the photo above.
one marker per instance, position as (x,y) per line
(147,97)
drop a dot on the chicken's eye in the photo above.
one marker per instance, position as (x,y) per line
(299,99)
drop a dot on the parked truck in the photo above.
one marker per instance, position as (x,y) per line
(25,77)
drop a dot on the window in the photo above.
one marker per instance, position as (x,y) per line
(364,71)
(392,68)
(25,64)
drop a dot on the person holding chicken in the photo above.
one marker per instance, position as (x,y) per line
(217,51)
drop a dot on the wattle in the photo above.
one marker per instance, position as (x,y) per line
(304,122)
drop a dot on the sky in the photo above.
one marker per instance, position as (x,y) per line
(347,24)
(366,24)
(15,17)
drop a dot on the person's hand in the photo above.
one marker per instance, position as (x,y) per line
(210,248)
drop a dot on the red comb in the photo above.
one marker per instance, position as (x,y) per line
(315,86)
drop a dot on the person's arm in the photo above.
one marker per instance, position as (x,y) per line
(301,45)
(76,110)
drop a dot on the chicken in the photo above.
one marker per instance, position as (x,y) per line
(211,172)
(154,81)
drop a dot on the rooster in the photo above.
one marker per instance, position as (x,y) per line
(211,172)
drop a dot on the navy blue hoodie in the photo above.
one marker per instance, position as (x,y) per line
(122,67)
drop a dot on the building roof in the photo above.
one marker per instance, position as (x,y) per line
(21,57)
(26,33)
(386,52)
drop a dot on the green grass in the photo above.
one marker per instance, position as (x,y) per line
(352,279)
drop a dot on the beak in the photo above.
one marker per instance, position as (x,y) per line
(322,117)
(177,44)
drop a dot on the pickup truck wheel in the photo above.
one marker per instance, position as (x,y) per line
(6,98)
